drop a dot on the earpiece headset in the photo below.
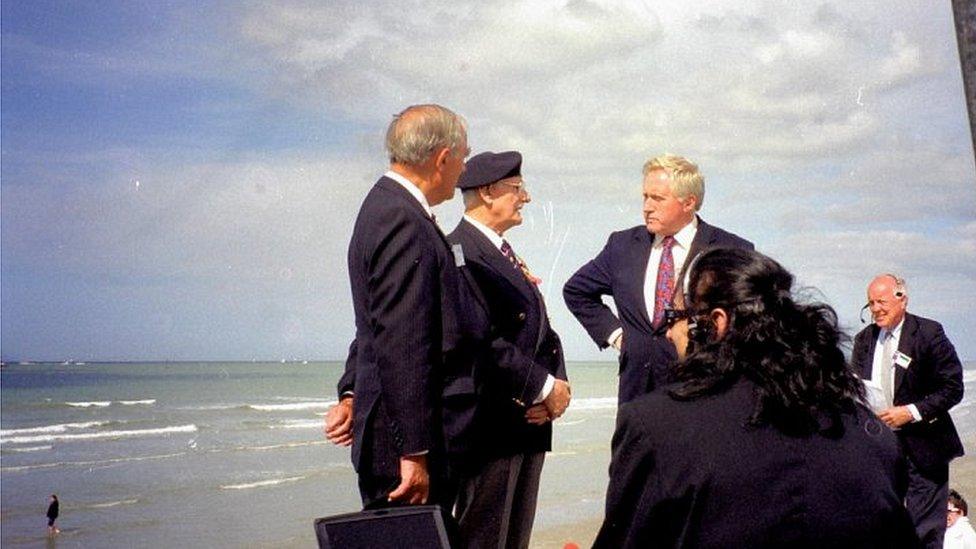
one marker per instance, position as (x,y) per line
(901,292)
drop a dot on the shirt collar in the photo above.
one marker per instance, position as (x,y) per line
(896,331)
(412,189)
(494,237)
(684,237)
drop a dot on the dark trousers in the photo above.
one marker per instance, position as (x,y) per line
(496,504)
(928,493)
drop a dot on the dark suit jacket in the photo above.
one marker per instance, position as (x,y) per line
(412,358)
(932,382)
(694,474)
(618,271)
(523,350)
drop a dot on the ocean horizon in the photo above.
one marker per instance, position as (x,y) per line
(231,454)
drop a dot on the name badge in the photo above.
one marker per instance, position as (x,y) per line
(902,359)
(458,255)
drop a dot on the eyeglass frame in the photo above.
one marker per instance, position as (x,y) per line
(519,187)
(673,316)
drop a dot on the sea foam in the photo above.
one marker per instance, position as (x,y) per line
(99,435)
(261,483)
(55,428)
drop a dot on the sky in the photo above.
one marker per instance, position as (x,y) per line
(178,180)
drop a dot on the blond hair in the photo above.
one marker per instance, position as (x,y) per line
(686,180)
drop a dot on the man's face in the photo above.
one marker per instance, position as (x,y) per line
(510,195)
(664,213)
(887,310)
(952,515)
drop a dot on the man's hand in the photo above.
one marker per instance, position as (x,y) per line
(537,414)
(558,399)
(414,481)
(338,422)
(896,417)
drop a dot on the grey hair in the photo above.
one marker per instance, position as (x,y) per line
(421,130)
(471,198)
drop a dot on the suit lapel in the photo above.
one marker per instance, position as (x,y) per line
(494,259)
(703,239)
(866,353)
(634,268)
(906,342)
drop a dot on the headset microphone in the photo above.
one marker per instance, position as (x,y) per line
(864,308)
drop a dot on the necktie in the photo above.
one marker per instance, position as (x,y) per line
(887,363)
(518,263)
(510,253)
(664,288)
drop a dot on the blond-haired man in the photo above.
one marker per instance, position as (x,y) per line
(639,268)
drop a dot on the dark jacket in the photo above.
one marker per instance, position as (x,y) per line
(932,382)
(694,474)
(53,510)
(522,349)
(618,271)
(413,355)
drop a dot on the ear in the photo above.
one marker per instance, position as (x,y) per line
(440,158)
(689,203)
(720,319)
(485,193)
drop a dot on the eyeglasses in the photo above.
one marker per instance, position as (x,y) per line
(953,510)
(519,187)
(674,315)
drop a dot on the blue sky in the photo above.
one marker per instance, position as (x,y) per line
(179,179)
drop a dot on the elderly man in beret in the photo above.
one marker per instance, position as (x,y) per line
(523,384)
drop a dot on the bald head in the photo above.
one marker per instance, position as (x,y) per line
(887,300)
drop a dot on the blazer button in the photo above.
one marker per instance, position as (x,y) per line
(521,316)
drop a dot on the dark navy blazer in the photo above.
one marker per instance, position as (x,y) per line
(618,271)
(932,382)
(413,357)
(523,349)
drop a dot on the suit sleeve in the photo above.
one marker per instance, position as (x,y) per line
(583,294)
(348,380)
(404,313)
(948,386)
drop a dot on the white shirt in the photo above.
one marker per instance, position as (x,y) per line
(412,189)
(879,355)
(679,252)
(960,535)
(496,240)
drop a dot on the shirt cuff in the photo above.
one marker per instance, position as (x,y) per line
(423,453)
(915,415)
(546,389)
(347,394)
(614,335)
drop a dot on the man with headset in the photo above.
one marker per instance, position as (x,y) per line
(918,375)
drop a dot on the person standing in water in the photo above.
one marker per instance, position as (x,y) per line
(52,515)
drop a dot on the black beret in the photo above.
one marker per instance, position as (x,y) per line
(488,167)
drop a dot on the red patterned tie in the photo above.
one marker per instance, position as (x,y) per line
(664,289)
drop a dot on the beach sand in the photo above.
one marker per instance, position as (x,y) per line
(962,475)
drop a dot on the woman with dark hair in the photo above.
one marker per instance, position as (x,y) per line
(765,440)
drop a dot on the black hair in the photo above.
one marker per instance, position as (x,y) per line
(790,351)
(959,502)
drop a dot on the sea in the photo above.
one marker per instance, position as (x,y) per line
(232,454)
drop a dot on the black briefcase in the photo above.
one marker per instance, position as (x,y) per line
(408,527)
